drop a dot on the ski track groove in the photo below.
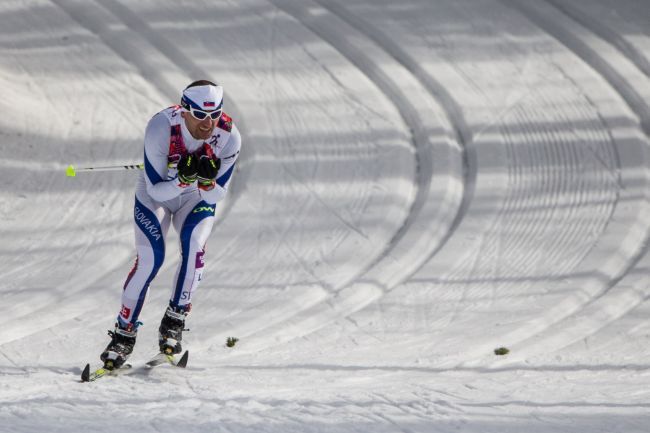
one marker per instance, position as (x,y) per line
(612,79)
(554,154)
(588,309)
(540,145)
(606,33)
(614,172)
(324,313)
(452,111)
(588,49)
(454,123)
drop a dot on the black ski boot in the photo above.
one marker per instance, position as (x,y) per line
(120,347)
(170,333)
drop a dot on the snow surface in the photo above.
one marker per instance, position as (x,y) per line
(421,183)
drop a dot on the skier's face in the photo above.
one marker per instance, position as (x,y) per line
(200,129)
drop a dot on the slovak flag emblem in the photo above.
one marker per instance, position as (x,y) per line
(126,312)
(208,104)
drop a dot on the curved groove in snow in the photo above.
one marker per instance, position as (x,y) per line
(559,175)
(605,33)
(454,121)
(616,289)
(440,173)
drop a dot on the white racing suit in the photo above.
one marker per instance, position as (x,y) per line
(161,200)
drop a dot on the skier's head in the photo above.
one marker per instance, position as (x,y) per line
(202,104)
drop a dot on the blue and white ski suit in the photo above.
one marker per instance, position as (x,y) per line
(161,200)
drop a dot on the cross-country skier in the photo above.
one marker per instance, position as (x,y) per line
(189,157)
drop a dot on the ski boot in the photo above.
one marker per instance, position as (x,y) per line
(171,330)
(120,347)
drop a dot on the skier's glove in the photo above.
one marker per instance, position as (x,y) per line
(208,169)
(188,169)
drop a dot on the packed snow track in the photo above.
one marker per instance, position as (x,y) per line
(421,182)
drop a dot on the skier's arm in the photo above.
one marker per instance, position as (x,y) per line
(156,147)
(228,157)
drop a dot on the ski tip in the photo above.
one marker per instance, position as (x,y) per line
(182,363)
(85,375)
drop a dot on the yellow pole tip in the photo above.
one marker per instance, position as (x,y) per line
(70,171)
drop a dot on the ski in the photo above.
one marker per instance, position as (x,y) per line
(164,358)
(159,359)
(88,376)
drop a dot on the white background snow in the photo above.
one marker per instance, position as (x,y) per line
(421,182)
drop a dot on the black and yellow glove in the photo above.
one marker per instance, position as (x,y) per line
(207,172)
(188,169)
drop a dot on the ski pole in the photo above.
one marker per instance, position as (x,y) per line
(72,172)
